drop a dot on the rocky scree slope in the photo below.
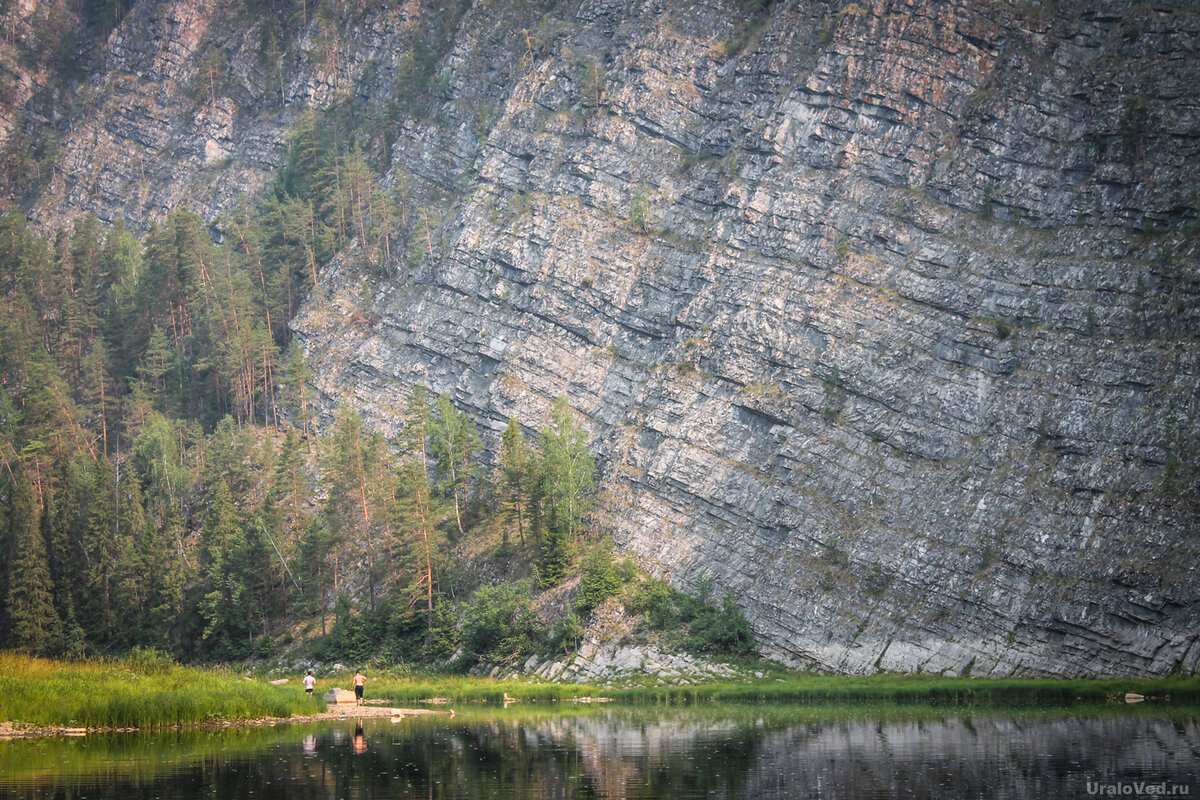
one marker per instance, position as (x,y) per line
(882,317)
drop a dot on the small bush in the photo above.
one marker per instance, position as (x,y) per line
(639,209)
(654,598)
(567,637)
(149,661)
(722,630)
(598,579)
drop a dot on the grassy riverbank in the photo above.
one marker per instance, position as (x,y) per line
(789,688)
(136,693)
(147,691)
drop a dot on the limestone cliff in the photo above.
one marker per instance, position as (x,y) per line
(882,316)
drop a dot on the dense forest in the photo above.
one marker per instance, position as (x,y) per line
(165,484)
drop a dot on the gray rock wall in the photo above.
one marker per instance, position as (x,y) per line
(899,346)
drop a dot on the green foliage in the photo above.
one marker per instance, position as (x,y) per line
(640,211)
(843,249)
(517,473)
(720,630)
(454,444)
(569,632)
(659,603)
(555,556)
(700,626)
(500,625)
(568,471)
(598,579)
(33,623)
(355,638)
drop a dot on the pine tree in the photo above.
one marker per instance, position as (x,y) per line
(347,511)
(98,393)
(290,492)
(33,623)
(415,510)
(515,477)
(226,606)
(296,379)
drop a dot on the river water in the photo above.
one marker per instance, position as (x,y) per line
(757,752)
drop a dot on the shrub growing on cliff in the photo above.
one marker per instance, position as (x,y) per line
(720,630)
(702,627)
(598,579)
(639,209)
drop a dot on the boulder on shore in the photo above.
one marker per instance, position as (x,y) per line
(336,697)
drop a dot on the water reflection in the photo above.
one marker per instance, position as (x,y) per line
(767,752)
(360,739)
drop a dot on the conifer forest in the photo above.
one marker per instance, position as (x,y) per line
(165,482)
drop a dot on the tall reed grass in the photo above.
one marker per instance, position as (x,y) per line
(137,693)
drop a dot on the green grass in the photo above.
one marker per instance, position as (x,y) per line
(793,688)
(149,692)
(136,693)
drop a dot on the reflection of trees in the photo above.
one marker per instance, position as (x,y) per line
(622,753)
(672,757)
(606,756)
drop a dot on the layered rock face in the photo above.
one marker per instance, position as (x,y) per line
(881,317)
(866,310)
(189,103)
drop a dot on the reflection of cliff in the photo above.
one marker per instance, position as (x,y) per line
(954,756)
(765,753)
(973,756)
(882,315)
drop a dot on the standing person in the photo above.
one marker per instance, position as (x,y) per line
(309,683)
(360,681)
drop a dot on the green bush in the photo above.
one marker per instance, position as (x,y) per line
(654,598)
(722,630)
(567,637)
(700,626)
(598,579)
(501,624)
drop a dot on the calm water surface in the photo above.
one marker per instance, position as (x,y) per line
(760,752)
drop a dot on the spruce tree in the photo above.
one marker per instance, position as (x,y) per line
(226,605)
(515,477)
(33,623)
